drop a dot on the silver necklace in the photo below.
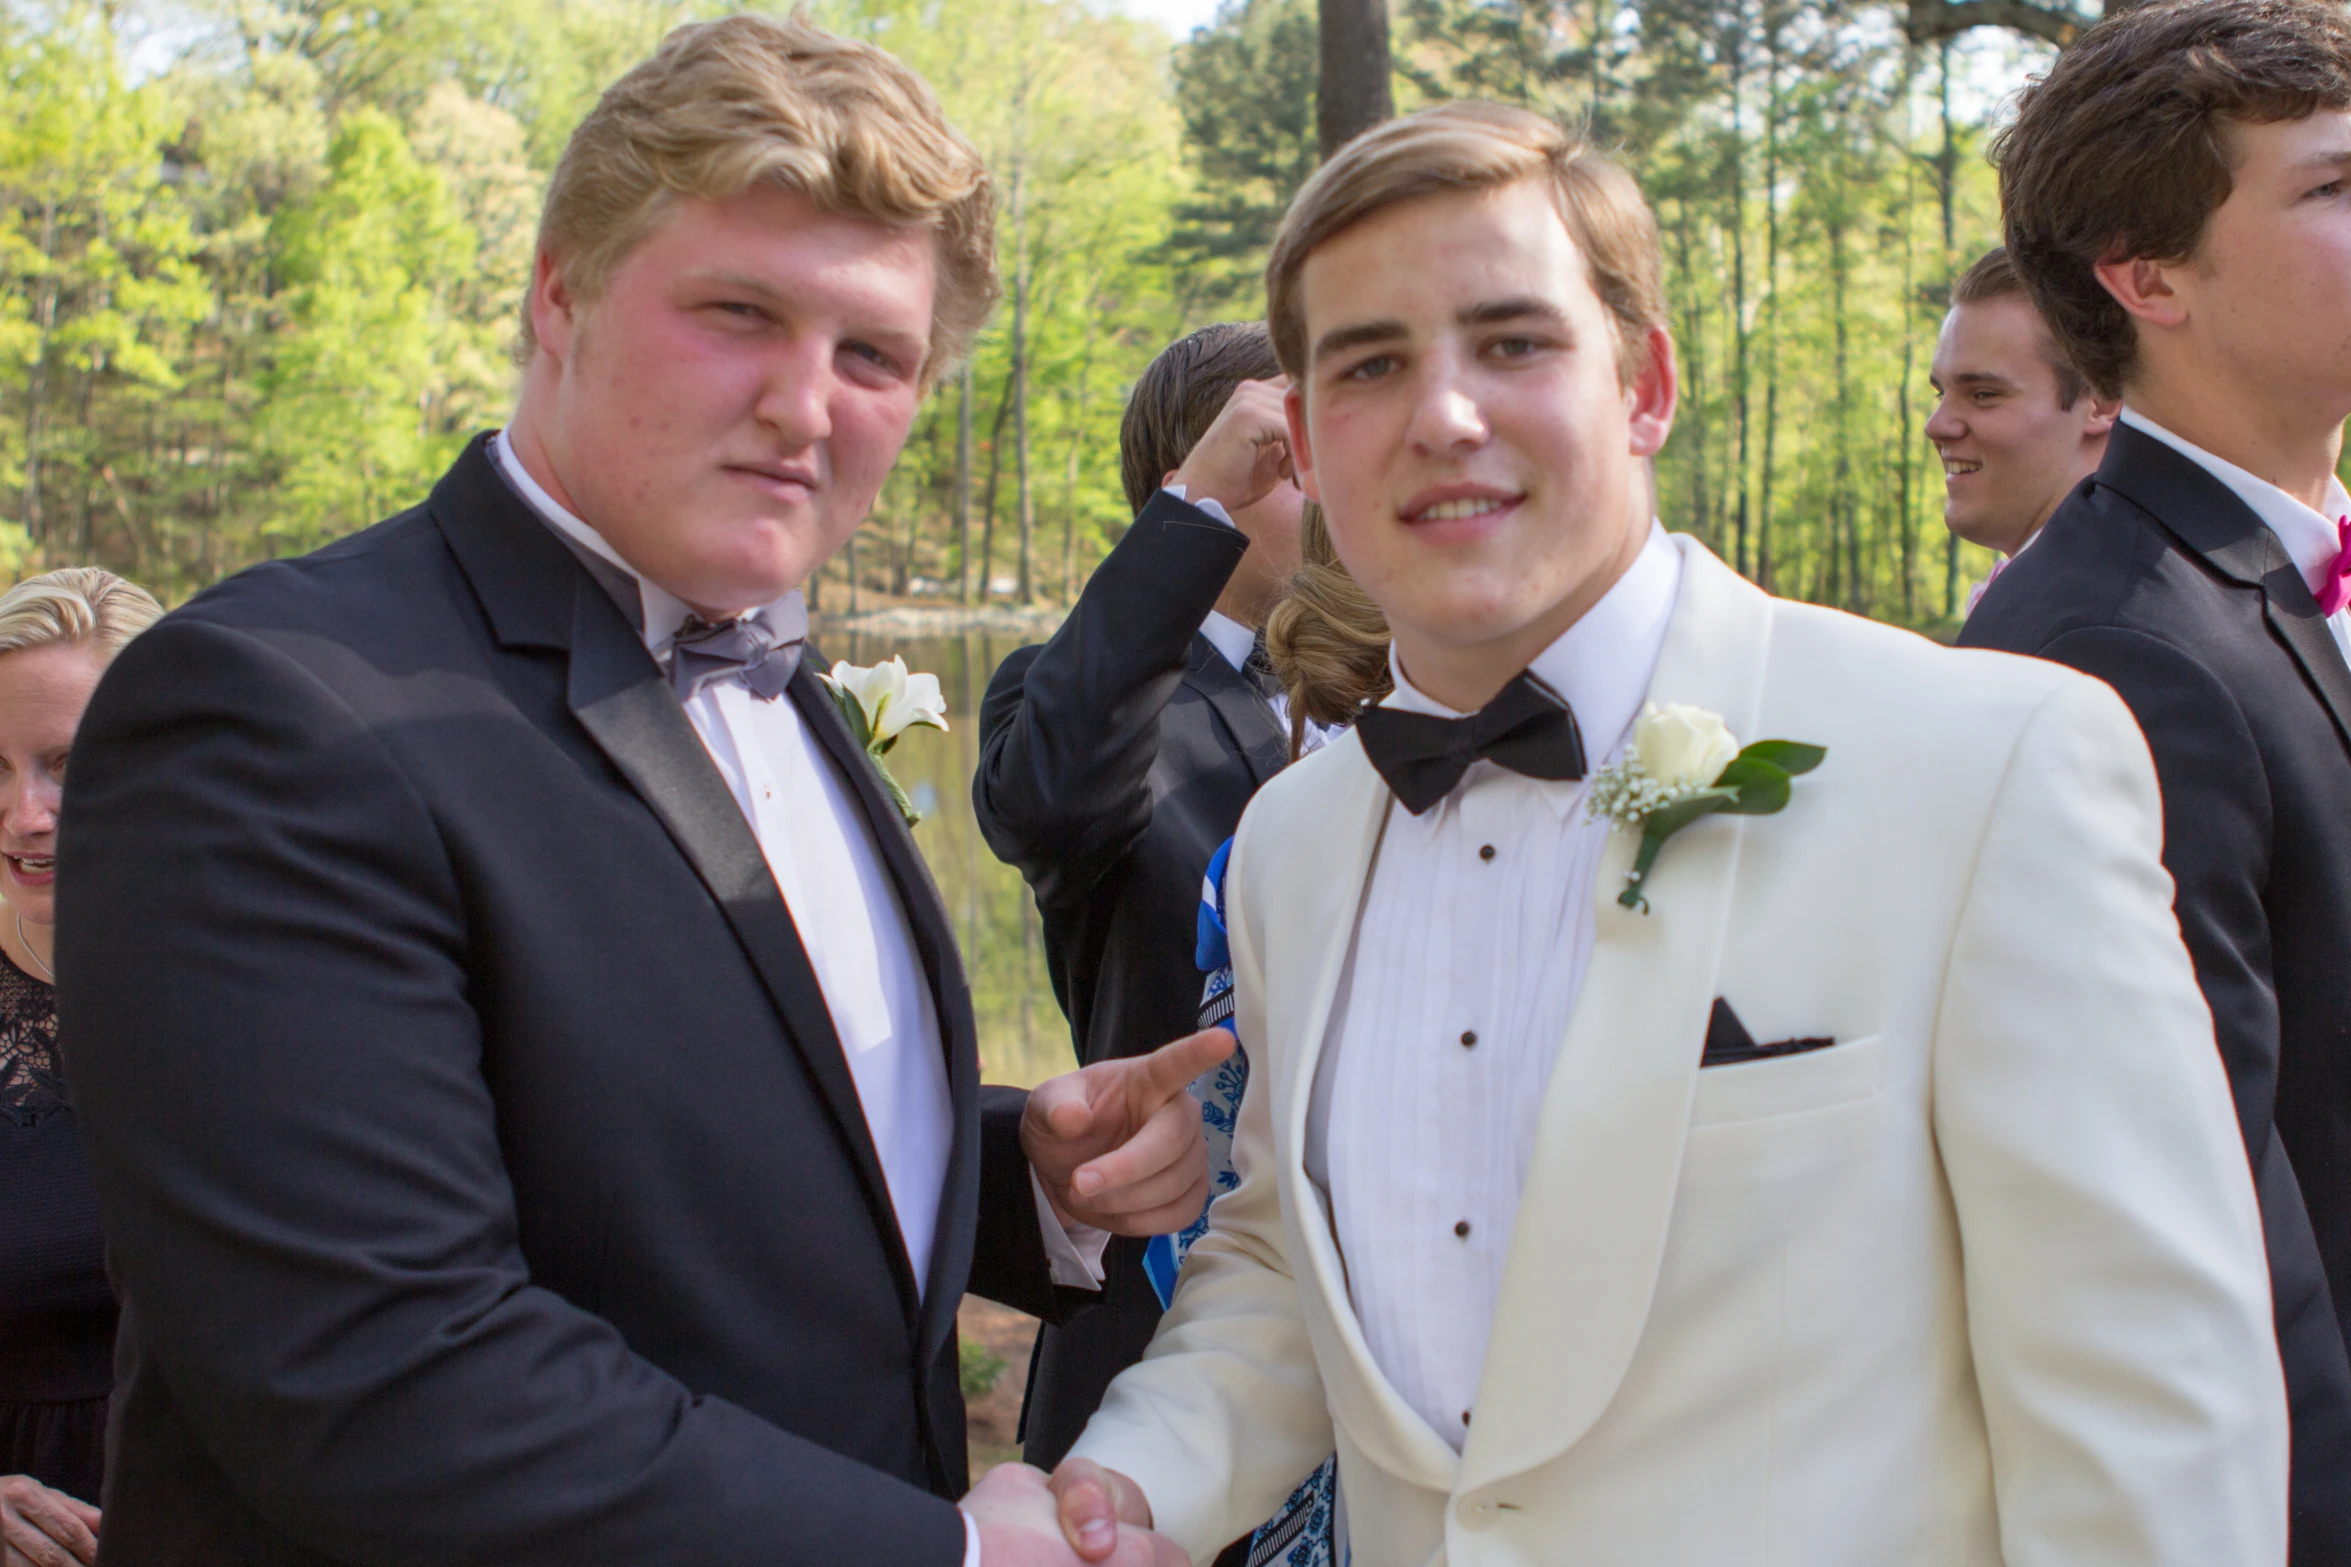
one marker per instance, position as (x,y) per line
(46,971)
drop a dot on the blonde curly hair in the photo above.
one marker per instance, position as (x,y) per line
(1328,641)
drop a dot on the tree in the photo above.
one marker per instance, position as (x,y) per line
(1354,93)
(1247,90)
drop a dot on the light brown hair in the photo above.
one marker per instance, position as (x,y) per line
(2122,152)
(1993,277)
(723,106)
(75,605)
(1470,146)
(1179,396)
(1327,640)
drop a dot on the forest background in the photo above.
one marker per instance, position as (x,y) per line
(260,263)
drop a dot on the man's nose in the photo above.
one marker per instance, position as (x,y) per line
(795,399)
(1446,416)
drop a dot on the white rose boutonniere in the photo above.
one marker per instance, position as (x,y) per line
(880,703)
(1683,763)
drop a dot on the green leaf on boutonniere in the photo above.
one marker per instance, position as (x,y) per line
(1761,789)
(1757,781)
(852,714)
(1792,757)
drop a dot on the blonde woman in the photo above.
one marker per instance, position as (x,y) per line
(58,632)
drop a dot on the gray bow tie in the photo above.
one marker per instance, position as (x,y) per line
(763,647)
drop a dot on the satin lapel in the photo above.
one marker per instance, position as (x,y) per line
(1247,717)
(934,941)
(1600,1187)
(619,696)
(2209,521)
(1320,911)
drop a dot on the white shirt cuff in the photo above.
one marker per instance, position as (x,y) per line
(971,1542)
(1207,503)
(1073,1251)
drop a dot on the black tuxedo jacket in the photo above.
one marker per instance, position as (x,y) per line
(1113,761)
(482,1173)
(2155,578)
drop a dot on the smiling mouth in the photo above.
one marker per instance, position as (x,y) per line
(1465,508)
(1953,467)
(32,864)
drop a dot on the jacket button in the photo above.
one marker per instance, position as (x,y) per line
(1476,1512)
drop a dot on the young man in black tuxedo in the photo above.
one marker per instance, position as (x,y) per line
(1118,755)
(2178,198)
(530,1083)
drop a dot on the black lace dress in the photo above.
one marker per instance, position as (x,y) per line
(56,1311)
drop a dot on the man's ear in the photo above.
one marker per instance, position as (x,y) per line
(554,308)
(1301,446)
(2143,287)
(2104,411)
(1651,398)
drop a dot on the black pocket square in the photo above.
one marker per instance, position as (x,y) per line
(1728,1043)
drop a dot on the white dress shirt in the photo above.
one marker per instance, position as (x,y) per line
(2312,539)
(1476,931)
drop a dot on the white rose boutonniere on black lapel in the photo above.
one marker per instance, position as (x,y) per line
(1683,763)
(880,702)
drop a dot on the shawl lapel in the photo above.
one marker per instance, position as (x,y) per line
(1600,1188)
(537,595)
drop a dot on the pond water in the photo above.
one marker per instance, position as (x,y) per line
(1023,1038)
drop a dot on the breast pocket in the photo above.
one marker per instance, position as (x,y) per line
(1788,1085)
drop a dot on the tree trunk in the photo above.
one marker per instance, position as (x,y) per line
(1947,168)
(1764,571)
(1354,94)
(963,490)
(1020,387)
(1739,330)
(988,501)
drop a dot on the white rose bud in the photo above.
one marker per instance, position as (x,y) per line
(1683,746)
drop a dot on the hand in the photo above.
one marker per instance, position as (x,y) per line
(1118,1145)
(44,1528)
(1020,1527)
(1245,453)
(1094,1503)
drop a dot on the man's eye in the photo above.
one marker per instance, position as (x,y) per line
(741,310)
(878,358)
(1514,347)
(1370,369)
(2330,189)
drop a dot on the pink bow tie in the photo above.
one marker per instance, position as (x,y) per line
(2335,591)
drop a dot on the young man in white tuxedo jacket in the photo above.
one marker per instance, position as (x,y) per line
(1868,1195)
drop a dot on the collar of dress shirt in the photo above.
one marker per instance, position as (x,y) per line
(1234,640)
(1601,664)
(2311,538)
(663,612)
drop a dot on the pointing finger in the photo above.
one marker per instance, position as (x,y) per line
(1170,1069)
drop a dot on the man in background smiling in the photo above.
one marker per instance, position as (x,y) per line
(2017,427)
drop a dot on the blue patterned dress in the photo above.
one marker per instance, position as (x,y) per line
(1303,1531)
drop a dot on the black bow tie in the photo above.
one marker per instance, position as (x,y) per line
(1528,728)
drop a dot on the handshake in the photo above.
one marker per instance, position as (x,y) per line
(1081,1513)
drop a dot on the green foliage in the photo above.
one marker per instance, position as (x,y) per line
(1247,90)
(257,297)
(979,1367)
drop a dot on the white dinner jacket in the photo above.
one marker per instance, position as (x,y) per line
(1981,1283)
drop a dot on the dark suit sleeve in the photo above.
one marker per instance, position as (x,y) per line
(1008,1262)
(1067,738)
(291,1118)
